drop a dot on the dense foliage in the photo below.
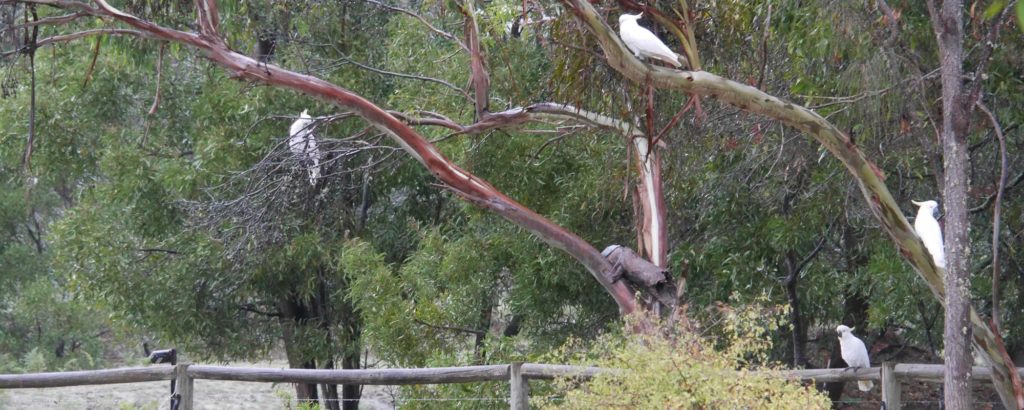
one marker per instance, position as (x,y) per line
(192,225)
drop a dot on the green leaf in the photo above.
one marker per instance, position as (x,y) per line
(994,8)
(1020,15)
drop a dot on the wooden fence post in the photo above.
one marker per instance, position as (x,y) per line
(184,385)
(519,398)
(890,387)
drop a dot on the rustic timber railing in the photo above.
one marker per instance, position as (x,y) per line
(517,374)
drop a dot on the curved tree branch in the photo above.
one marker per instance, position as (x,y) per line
(468,186)
(868,176)
(75,36)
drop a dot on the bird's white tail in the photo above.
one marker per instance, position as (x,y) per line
(865,385)
(314,174)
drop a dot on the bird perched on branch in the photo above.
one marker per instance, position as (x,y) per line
(303,143)
(854,353)
(930,231)
(644,44)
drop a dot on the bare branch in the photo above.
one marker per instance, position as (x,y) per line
(433,121)
(59,4)
(26,159)
(48,21)
(764,46)
(92,64)
(996,213)
(421,20)
(75,36)
(160,250)
(159,75)
(522,115)
(461,92)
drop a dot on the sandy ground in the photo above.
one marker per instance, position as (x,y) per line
(209,395)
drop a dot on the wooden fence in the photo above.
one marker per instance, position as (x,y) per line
(517,374)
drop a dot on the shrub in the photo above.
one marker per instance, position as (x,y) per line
(678,367)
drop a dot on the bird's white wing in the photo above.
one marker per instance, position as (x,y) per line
(643,42)
(854,352)
(302,142)
(313,152)
(298,134)
(931,234)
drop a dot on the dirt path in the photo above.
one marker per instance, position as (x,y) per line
(209,395)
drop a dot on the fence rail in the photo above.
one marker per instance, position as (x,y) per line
(517,374)
(87,377)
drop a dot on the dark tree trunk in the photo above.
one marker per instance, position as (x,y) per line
(330,391)
(350,334)
(294,314)
(321,306)
(351,393)
(948,25)
(834,389)
(799,337)
(479,339)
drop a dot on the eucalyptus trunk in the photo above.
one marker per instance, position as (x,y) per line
(948,24)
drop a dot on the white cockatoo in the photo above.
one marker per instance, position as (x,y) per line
(854,353)
(643,43)
(930,231)
(303,143)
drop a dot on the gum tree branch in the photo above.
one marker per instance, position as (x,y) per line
(463,183)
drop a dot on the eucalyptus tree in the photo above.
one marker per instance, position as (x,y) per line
(590,71)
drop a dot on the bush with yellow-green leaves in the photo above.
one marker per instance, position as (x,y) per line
(683,366)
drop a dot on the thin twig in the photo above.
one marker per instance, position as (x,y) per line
(159,74)
(764,47)
(410,76)
(51,21)
(26,159)
(996,213)
(92,64)
(422,20)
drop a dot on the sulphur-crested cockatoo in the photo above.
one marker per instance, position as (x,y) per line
(643,43)
(854,353)
(303,143)
(930,231)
